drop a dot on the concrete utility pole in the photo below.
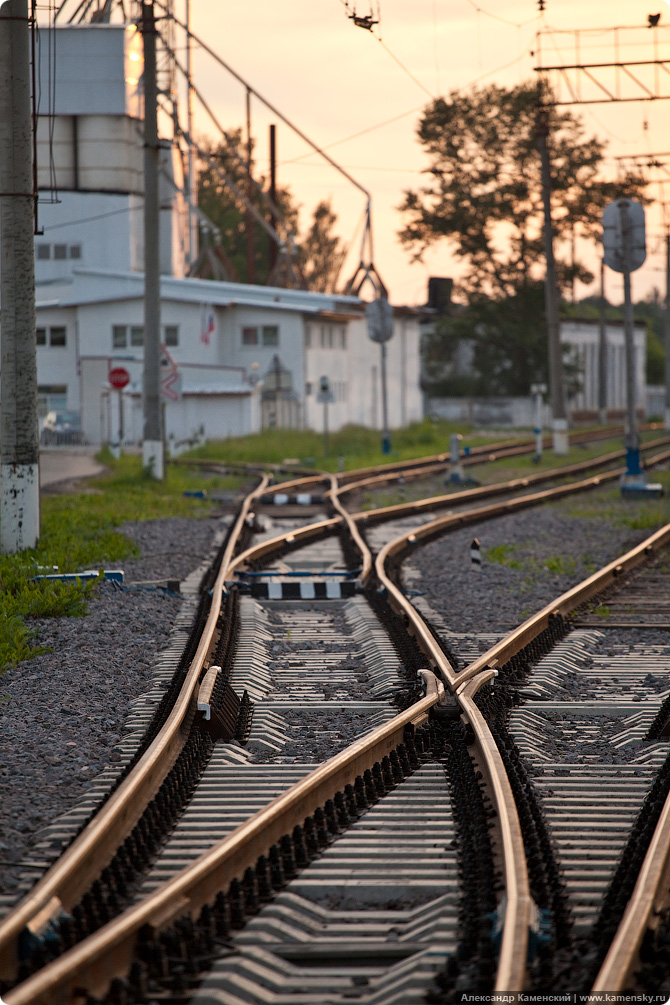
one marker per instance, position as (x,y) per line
(559,420)
(667,331)
(152,445)
(19,467)
(192,183)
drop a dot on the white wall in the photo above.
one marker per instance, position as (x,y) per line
(105,227)
(360,368)
(98,69)
(584,338)
(57,365)
(222,365)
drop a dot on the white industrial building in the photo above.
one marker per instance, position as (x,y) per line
(583,338)
(237,357)
(225,344)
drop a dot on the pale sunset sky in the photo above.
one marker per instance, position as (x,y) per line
(335,80)
(359,96)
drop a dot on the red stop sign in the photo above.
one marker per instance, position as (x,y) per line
(118,377)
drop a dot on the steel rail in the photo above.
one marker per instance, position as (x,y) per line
(511,973)
(425,466)
(481,491)
(112,946)
(71,876)
(94,962)
(512,963)
(454,520)
(650,897)
(294,538)
(302,535)
(494,451)
(366,556)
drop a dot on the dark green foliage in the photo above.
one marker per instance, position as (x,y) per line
(223,209)
(319,254)
(485,197)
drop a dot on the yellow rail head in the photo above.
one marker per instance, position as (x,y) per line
(650,896)
(366,555)
(81,863)
(299,536)
(511,972)
(109,951)
(483,491)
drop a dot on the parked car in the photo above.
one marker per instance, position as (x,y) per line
(61,428)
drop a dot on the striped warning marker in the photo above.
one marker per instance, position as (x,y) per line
(284,499)
(330,589)
(476,554)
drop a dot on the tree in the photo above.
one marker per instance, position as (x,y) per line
(227,212)
(485,198)
(318,256)
(322,252)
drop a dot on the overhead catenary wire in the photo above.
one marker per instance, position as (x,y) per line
(211,52)
(393,56)
(503,20)
(270,205)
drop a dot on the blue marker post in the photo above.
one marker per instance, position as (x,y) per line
(538,390)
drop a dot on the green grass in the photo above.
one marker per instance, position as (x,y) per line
(81,532)
(501,555)
(560,565)
(360,447)
(508,468)
(637,514)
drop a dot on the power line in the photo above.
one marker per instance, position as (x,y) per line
(89,219)
(260,97)
(360,167)
(411,111)
(403,67)
(361,132)
(503,20)
(394,57)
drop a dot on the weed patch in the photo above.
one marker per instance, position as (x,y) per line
(80,532)
(560,565)
(501,555)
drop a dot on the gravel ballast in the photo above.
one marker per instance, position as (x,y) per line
(62,712)
(65,710)
(528,559)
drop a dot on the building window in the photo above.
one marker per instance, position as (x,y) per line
(308,388)
(51,398)
(308,337)
(270,334)
(60,252)
(171,335)
(41,336)
(43,252)
(343,337)
(323,336)
(58,336)
(250,336)
(119,337)
(137,335)
(75,251)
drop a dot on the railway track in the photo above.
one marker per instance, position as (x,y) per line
(408,761)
